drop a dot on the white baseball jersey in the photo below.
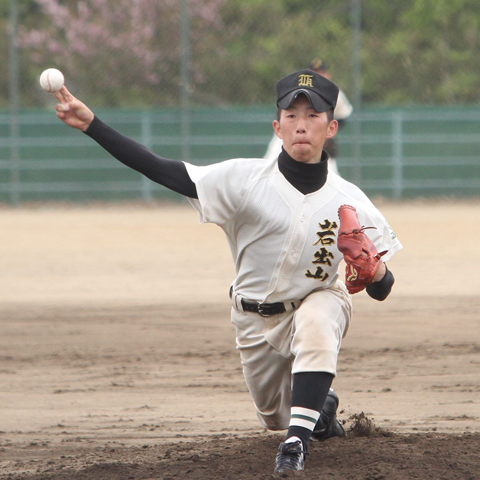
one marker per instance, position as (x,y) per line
(284,243)
(344,108)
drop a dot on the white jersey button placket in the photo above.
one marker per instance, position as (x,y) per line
(289,266)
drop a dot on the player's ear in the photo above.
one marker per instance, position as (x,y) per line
(332,129)
(277,129)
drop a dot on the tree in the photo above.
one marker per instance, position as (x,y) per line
(127,52)
(111,49)
(422,51)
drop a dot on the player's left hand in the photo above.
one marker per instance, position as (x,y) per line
(364,263)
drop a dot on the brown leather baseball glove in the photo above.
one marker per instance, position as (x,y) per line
(359,252)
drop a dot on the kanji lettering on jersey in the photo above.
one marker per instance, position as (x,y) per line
(326,236)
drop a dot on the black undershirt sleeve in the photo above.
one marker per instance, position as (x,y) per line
(169,173)
(380,290)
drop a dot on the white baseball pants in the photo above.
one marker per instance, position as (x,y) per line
(305,340)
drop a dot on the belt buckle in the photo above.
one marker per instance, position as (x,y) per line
(261,311)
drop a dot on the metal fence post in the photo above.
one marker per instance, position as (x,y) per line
(356,25)
(397,154)
(357,149)
(14,106)
(185,80)
(146,128)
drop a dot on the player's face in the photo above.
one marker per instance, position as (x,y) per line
(304,130)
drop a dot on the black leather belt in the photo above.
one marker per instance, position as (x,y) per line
(263,309)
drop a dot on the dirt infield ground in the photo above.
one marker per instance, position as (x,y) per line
(118,360)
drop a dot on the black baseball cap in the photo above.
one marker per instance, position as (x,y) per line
(321,92)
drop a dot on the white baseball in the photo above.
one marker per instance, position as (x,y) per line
(52,80)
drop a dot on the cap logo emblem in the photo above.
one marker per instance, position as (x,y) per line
(305,80)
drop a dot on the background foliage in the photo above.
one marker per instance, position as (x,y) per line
(127,53)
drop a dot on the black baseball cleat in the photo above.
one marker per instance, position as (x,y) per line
(290,456)
(328,426)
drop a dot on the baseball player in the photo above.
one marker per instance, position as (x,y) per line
(343,110)
(289,223)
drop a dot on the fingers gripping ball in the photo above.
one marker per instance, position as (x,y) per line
(52,80)
(359,252)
